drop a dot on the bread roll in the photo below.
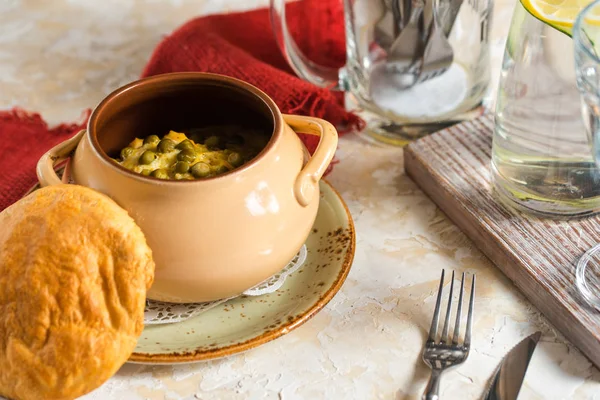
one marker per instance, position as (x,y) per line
(74,271)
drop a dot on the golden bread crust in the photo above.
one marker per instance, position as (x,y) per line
(74,271)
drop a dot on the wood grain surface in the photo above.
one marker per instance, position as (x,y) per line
(539,255)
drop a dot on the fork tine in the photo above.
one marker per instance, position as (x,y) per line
(444,337)
(459,311)
(470,314)
(436,312)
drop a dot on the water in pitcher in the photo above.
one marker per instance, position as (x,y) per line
(542,158)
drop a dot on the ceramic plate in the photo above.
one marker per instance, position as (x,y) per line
(247,322)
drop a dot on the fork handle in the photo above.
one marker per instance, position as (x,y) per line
(433,386)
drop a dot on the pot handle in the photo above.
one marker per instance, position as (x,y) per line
(45,166)
(308,179)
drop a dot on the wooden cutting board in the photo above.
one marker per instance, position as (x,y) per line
(539,255)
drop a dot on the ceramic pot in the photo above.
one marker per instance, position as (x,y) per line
(210,238)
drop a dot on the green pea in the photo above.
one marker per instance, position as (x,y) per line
(152,139)
(165,146)
(221,169)
(147,157)
(160,174)
(200,170)
(212,141)
(145,172)
(235,159)
(185,144)
(182,167)
(186,155)
(126,152)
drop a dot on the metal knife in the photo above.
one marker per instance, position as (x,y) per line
(509,376)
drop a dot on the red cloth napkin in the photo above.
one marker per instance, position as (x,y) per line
(241,45)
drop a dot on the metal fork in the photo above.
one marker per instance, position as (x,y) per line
(438,54)
(440,356)
(401,10)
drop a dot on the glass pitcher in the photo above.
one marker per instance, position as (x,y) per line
(586,38)
(396,112)
(542,158)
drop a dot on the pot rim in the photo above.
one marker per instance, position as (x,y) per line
(215,79)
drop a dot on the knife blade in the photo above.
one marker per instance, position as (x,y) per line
(510,374)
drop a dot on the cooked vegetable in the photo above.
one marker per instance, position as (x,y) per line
(219,149)
(185,144)
(186,155)
(147,157)
(126,152)
(200,170)
(182,167)
(152,139)
(212,142)
(165,146)
(235,159)
(160,174)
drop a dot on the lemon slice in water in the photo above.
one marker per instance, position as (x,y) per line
(559,14)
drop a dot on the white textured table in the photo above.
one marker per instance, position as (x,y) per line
(63,56)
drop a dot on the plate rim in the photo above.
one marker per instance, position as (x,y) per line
(287,327)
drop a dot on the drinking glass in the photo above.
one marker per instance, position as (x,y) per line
(586,36)
(395,113)
(542,157)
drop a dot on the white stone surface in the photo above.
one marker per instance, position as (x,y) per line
(63,56)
